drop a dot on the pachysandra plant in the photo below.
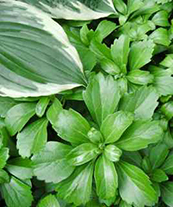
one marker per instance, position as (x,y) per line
(86,106)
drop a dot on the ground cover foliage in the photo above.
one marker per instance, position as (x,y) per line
(86,103)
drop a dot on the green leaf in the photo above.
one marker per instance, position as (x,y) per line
(115,125)
(95,136)
(139,135)
(20,168)
(4,136)
(32,138)
(101,97)
(18,116)
(140,54)
(167,61)
(53,111)
(41,106)
(78,187)
(163,82)
(168,165)
(135,186)
(72,127)
(159,176)
(106,178)
(157,155)
(48,201)
(35,70)
(140,77)
(83,154)
(112,153)
(75,9)
(4,177)
(104,29)
(4,155)
(133,5)
(133,158)
(5,105)
(160,36)
(50,164)
(109,66)
(120,51)
(142,102)
(161,18)
(124,204)
(167,193)
(167,109)
(16,193)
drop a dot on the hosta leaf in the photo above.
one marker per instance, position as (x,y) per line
(75,9)
(20,168)
(48,201)
(167,193)
(32,138)
(163,82)
(16,193)
(140,54)
(78,187)
(41,106)
(50,164)
(115,124)
(135,186)
(168,165)
(72,127)
(34,69)
(139,135)
(101,97)
(82,154)
(142,102)
(4,155)
(4,177)
(18,116)
(106,178)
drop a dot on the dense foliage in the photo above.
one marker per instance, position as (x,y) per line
(86,103)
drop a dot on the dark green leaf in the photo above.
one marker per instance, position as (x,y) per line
(168,165)
(167,193)
(4,177)
(159,176)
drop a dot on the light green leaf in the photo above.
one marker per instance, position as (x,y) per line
(50,164)
(35,70)
(120,6)
(4,177)
(120,51)
(109,66)
(168,165)
(32,138)
(101,97)
(95,136)
(20,168)
(18,116)
(41,106)
(48,201)
(163,82)
(159,176)
(5,105)
(140,54)
(140,77)
(139,135)
(135,186)
(133,5)
(16,193)
(167,109)
(142,102)
(106,178)
(167,61)
(115,125)
(77,188)
(161,18)
(4,155)
(75,9)
(82,154)
(160,36)
(72,127)
(112,153)
(167,193)
(157,155)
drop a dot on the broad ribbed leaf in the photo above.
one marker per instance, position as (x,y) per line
(36,57)
(101,97)
(135,186)
(139,135)
(49,201)
(106,178)
(16,193)
(50,164)
(32,138)
(115,124)
(75,9)
(77,188)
